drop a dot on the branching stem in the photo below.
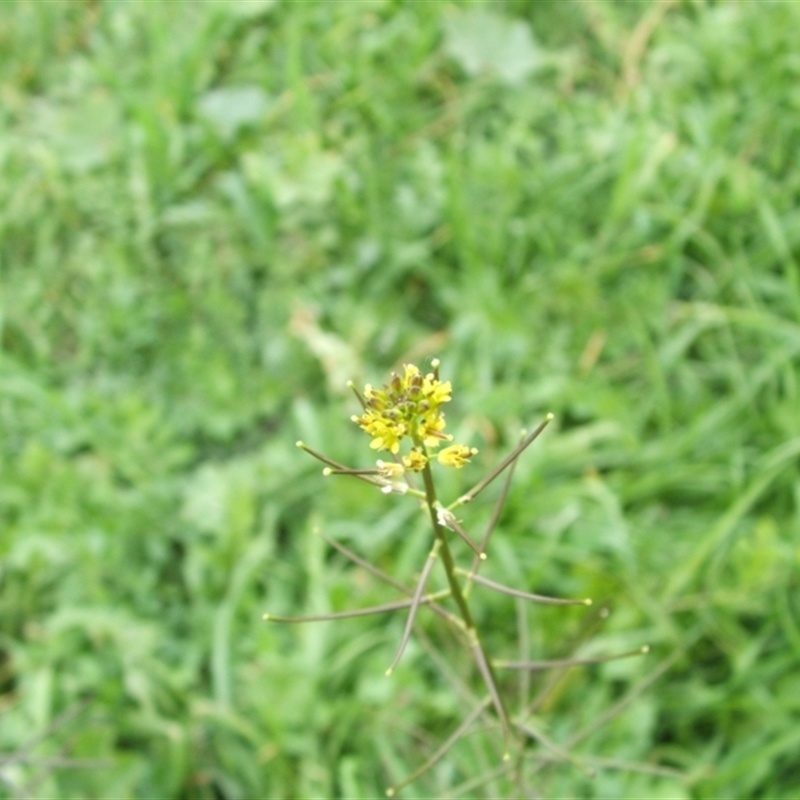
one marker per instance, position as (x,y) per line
(455,590)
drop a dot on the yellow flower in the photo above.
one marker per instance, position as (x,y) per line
(456,455)
(390,470)
(386,432)
(436,392)
(415,461)
(430,429)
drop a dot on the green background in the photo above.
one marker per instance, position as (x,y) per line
(214,214)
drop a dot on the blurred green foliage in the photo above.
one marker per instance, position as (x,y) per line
(213,214)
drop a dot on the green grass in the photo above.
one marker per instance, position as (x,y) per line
(214,214)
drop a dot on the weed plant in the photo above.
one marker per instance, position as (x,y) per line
(409,407)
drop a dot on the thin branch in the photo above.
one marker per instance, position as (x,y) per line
(509,459)
(347,471)
(536,598)
(371,568)
(446,666)
(633,693)
(386,578)
(335,464)
(597,763)
(590,628)
(362,401)
(415,603)
(451,523)
(488,676)
(629,766)
(568,662)
(562,753)
(630,696)
(496,511)
(358,612)
(459,732)
(524,650)
(463,789)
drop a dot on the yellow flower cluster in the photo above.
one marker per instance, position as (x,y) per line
(410,405)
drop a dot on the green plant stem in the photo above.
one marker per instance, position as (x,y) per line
(455,589)
(445,552)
